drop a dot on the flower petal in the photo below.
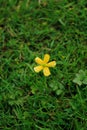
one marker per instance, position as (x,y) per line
(51,64)
(38,68)
(46,58)
(38,60)
(46,71)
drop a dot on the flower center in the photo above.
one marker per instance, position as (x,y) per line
(44,65)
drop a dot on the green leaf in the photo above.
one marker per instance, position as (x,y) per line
(85,81)
(77,81)
(58,92)
(81,77)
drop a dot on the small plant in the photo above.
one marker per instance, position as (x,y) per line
(81,78)
(44,65)
(57,87)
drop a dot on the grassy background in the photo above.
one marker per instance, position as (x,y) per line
(30,101)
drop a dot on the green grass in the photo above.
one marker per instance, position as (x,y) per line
(30,101)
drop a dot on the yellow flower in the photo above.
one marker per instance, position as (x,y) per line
(44,64)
